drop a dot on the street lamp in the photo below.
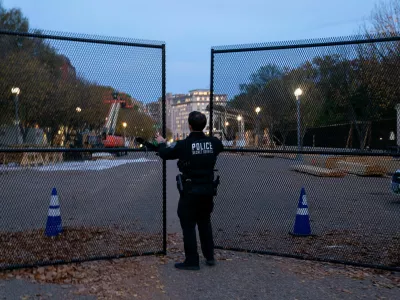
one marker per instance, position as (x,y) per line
(298,92)
(226,129)
(16,91)
(239,118)
(78,110)
(241,128)
(258,109)
(124,125)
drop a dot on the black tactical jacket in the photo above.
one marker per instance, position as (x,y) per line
(197,154)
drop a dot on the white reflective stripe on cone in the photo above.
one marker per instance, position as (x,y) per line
(54,212)
(54,200)
(302,211)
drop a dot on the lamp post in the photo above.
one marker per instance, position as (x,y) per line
(78,110)
(239,118)
(258,109)
(16,91)
(124,125)
(240,127)
(226,130)
(298,92)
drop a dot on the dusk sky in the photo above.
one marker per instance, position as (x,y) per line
(191,28)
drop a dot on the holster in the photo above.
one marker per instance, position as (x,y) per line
(197,187)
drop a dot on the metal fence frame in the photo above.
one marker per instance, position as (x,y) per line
(297,45)
(110,41)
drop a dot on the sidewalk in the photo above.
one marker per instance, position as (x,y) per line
(236,276)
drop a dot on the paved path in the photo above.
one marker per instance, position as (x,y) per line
(132,192)
(236,276)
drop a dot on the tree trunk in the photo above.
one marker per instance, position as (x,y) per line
(366,133)
(349,143)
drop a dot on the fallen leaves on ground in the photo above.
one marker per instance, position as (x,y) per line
(32,247)
(124,278)
(139,277)
(356,246)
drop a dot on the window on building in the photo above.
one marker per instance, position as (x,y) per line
(217,98)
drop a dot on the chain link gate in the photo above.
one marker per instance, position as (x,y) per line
(330,198)
(75,185)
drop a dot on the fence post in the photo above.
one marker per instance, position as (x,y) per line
(164,168)
(211,126)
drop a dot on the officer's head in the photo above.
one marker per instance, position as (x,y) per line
(197,121)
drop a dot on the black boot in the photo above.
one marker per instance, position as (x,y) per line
(210,262)
(186,266)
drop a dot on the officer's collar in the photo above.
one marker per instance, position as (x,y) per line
(196,133)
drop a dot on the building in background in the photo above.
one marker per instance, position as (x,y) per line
(178,107)
(183,104)
(154,110)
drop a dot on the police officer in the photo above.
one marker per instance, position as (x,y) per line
(197,186)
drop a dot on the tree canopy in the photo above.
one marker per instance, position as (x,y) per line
(50,88)
(348,84)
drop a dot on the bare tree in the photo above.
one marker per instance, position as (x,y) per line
(384,19)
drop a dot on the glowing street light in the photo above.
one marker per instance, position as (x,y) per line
(124,124)
(258,109)
(241,128)
(16,91)
(298,92)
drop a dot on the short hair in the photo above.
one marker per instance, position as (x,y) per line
(197,120)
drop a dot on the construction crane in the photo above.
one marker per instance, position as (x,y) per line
(109,139)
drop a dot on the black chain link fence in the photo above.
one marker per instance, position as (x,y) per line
(285,192)
(75,184)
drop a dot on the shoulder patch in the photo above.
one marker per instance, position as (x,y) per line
(172,145)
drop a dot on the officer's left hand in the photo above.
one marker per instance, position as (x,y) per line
(160,139)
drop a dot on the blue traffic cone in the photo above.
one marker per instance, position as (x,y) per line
(302,222)
(54,226)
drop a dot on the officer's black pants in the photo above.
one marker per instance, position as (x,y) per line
(191,211)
